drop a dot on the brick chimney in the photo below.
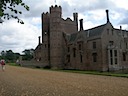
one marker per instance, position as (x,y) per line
(75,16)
(81,24)
(107,14)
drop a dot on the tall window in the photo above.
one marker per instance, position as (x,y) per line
(94,45)
(68,57)
(111,57)
(74,52)
(81,58)
(124,57)
(126,45)
(115,53)
(68,49)
(94,55)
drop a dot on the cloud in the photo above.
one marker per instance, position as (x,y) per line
(18,37)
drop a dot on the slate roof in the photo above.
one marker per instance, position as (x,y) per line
(92,32)
(73,37)
(96,30)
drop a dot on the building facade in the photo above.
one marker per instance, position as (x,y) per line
(63,46)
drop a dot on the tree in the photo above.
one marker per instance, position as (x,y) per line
(9,56)
(28,54)
(12,5)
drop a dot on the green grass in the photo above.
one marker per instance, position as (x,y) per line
(13,64)
(96,73)
(83,72)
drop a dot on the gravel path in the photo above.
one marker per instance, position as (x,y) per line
(19,81)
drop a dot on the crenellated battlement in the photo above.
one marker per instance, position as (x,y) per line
(47,13)
(55,9)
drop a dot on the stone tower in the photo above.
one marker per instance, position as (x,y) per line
(56,58)
(45,38)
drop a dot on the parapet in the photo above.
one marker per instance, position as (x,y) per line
(45,14)
(55,9)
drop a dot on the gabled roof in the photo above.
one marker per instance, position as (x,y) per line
(95,31)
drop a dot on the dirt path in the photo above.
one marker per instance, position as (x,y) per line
(18,81)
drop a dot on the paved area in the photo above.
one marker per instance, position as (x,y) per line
(19,81)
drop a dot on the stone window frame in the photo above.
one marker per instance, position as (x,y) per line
(94,57)
(94,45)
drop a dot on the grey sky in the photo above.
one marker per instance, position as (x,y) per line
(18,37)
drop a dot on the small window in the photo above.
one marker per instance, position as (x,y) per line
(94,55)
(79,46)
(94,45)
(111,42)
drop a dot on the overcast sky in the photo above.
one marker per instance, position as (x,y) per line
(18,37)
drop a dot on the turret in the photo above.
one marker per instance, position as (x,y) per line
(45,24)
(55,37)
(56,11)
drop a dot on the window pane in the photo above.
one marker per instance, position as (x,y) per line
(110,53)
(115,52)
(94,45)
(115,60)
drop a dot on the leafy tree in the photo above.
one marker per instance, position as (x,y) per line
(12,6)
(9,56)
(28,54)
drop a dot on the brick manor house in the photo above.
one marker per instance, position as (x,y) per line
(63,46)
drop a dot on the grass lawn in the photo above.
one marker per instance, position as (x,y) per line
(83,72)
(97,73)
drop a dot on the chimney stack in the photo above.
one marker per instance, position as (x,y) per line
(75,16)
(39,40)
(81,24)
(107,15)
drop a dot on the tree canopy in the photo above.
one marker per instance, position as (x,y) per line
(8,9)
(28,54)
(9,56)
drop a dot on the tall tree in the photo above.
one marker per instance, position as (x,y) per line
(11,5)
